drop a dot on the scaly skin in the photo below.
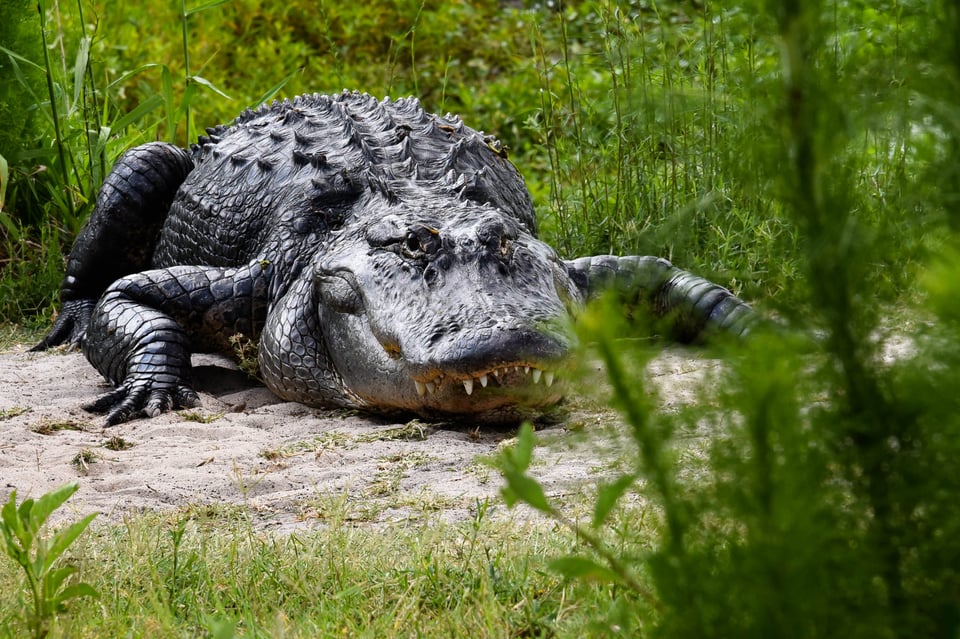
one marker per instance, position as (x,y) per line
(385,258)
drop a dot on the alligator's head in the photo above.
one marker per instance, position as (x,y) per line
(453,312)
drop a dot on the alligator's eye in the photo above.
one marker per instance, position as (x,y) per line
(420,241)
(412,246)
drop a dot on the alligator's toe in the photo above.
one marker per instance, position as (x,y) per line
(137,398)
(69,327)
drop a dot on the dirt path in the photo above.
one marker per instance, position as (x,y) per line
(291,465)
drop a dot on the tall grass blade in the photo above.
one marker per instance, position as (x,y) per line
(206,83)
(54,111)
(204,7)
(137,114)
(270,93)
(79,71)
(4,180)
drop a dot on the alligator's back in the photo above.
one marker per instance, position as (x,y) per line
(298,167)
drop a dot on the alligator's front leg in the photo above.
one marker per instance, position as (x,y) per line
(120,235)
(694,306)
(145,327)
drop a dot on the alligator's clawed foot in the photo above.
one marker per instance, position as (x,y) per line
(69,327)
(135,398)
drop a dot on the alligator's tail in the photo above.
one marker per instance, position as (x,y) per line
(692,307)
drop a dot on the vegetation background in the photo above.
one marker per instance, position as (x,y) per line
(639,126)
(805,154)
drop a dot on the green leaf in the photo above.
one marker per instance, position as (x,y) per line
(608,496)
(121,81)
(11,522)
(77,590)
(520,486)
(138,113)
(524,488)
(10,225)
(12,529)
(14,525)
(274,90)
(583,568)
(48,503)
(79,68)
(62,540)
(54,579)
(523,451)
(204,82)
(169,103)
(17,57)
(184,107)
(4,178)
(23,513)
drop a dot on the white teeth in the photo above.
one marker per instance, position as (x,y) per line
(431,387)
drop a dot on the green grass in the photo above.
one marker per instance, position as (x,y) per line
(619,119)
(641,128)
(204,571)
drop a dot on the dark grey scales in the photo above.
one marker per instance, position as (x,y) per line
(385,258)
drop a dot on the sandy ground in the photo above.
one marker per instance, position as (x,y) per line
(290,465)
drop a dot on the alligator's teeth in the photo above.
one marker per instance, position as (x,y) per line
(548,378)
(496,373)
(526,369)
(536,375)
(431,387)
(483,381)
(468,386)
(421,388)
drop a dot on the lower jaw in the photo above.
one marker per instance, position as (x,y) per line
(503,416)
(479,408)
(489,414)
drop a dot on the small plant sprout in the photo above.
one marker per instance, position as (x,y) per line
(38,556)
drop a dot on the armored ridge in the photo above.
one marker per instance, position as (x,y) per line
(385,258)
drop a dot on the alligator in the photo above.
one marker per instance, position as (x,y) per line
(382,257)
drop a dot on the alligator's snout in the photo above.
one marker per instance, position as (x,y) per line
(500,357)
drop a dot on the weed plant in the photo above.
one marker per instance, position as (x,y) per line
(39,557)
(824,502)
